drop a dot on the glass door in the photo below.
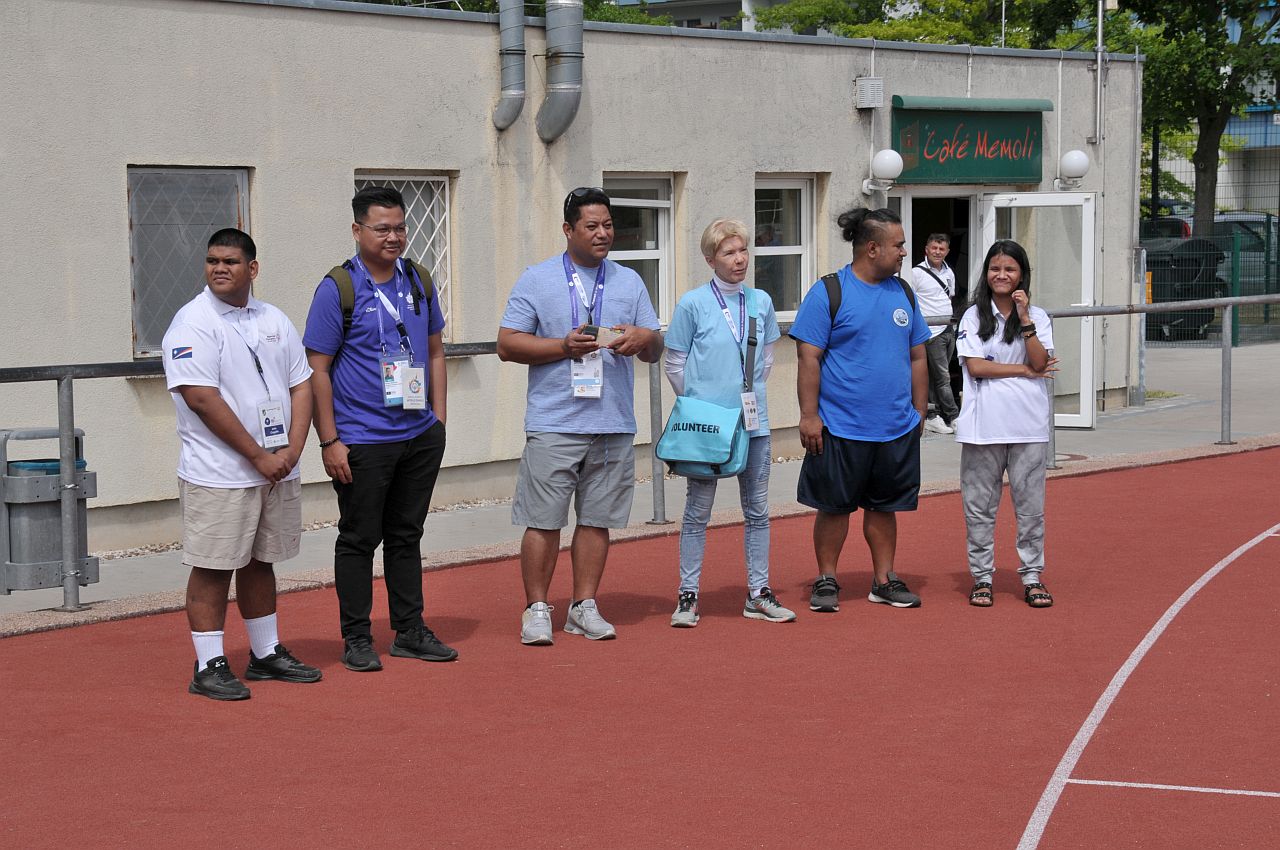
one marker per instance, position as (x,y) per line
(1056,229)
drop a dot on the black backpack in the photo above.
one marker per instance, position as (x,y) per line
(834,296)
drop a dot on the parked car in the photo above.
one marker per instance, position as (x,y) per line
(1182,270)
(1259,250)
(1164,227)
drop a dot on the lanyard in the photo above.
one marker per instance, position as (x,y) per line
(575,283)
(405,344)
(257,364)
(738,330)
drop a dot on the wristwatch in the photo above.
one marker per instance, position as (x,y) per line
(1028,331)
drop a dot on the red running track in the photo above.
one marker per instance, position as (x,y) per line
(939,727)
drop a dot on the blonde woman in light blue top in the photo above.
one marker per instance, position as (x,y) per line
(706,359)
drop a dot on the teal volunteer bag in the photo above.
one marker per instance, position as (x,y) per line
(705,440)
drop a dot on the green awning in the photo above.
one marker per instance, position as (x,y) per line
(973,104)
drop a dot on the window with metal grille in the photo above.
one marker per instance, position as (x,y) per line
(426,202)
(172,214)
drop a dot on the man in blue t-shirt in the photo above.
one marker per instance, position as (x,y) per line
(379,386)
(863,386)
(576,319)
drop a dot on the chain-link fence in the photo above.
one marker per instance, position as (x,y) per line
(1241,253)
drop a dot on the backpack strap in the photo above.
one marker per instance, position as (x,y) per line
(834,298)
(423,287)
(833,293)
(909,292)
(341,276)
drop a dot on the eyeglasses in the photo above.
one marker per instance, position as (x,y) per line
(383,230)
(584,195)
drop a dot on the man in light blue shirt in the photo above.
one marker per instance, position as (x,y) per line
(576,320)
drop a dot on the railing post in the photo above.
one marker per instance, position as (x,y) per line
(69,491)
(1052,462)
(1228,325)
(655,431)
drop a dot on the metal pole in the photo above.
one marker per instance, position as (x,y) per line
(1235,285)
(69,490)
(655,431)
(1052,462)
(1228,323)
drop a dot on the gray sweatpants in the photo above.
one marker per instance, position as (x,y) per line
(982,471)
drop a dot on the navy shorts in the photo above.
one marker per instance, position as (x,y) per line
(852,474)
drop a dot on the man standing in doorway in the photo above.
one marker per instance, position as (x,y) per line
(935,285)
(862,385)
(373,339)
(576,319)
(238,376)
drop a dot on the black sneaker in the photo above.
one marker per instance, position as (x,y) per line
(421,642)
(358,654)
(216,681)
(825,596)
(281,665)
(893,592)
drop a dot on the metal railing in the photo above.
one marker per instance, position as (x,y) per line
(65,375)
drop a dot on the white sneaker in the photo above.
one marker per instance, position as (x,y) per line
(686,615)
(535,625)
(938,425)
(766,606)
(584,619)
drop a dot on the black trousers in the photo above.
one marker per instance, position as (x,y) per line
(386,502)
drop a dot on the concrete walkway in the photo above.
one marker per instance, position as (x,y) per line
(1181,419)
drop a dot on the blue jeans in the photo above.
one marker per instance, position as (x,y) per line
(753,489)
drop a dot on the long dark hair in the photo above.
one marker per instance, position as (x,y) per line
(982,295)
(859,226)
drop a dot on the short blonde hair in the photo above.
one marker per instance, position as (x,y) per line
(720,230)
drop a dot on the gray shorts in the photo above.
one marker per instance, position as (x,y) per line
(223,528)
(597,470)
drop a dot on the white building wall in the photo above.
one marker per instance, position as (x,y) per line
(306,96)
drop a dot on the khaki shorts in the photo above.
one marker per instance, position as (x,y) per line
(222,529)
(596,471)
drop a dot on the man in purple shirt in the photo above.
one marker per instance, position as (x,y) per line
(379,386)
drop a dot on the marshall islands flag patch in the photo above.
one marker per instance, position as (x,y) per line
(181,353)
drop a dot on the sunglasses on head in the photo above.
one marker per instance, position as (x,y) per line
(584,195)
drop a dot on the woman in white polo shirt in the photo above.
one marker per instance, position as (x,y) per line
(1003,344)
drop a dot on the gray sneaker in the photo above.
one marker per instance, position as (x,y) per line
(584,619)
(766,606)
(825,596)
(893,592)
(686,615)
(535,625)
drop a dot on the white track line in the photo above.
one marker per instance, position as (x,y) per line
(1062,775)
(1155,787)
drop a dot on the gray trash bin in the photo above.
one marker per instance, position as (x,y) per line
(31,517)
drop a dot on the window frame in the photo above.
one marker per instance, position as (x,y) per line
(805,249)
(242,175)
(443,282)
(664,253)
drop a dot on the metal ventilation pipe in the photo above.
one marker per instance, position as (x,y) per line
(511,55)
(564,68)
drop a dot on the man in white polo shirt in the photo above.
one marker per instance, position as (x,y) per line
(935,285)
(238,375)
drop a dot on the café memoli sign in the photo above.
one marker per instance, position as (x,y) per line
(969,140)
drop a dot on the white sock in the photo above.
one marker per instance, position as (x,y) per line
(262,635)
(208,646)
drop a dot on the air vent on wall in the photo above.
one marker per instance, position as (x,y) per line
(868,92)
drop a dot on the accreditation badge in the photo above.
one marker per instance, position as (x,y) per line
(271,425)
(393,367)
(750,412)
(586,376)
(415,387)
